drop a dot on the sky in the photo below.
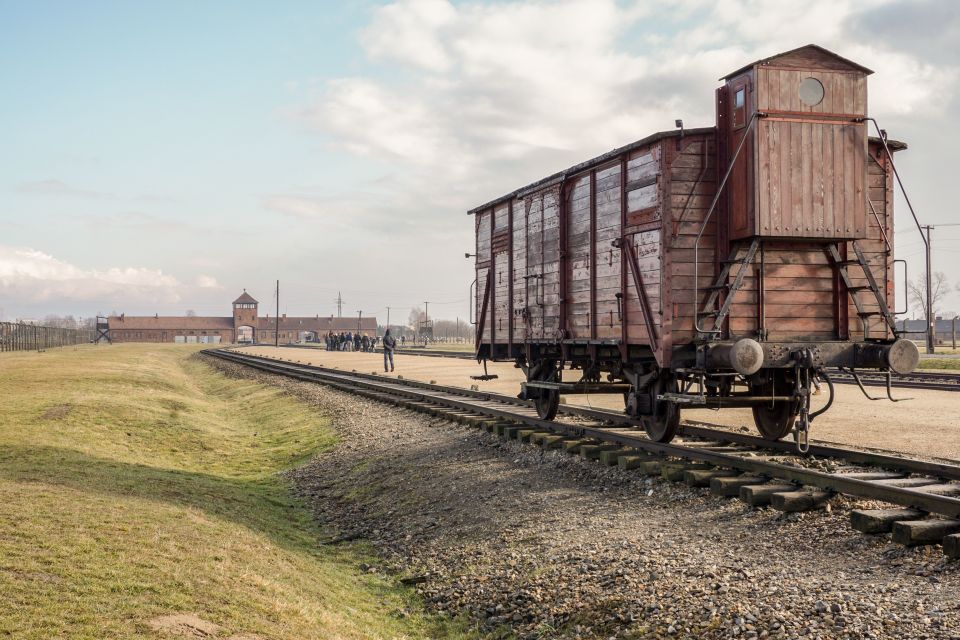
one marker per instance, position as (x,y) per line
(157,157)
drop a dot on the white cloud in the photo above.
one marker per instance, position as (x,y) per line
(59,188)
(29,276)
(473,100)
(206,282)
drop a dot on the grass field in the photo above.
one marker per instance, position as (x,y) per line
(137,483)
(940,364)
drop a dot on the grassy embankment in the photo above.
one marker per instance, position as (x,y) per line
(136,482)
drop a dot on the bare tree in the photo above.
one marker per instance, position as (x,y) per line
(191,313)
(61,322)
(917,289)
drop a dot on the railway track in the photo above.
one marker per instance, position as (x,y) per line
(917,380)
(927,493)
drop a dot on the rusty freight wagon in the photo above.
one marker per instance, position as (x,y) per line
(715,267)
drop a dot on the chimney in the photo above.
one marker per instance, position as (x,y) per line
(156,316)
(122,316)
(283,317)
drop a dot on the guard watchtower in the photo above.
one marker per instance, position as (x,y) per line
(245,311)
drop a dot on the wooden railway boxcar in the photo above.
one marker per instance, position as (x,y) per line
(721,266)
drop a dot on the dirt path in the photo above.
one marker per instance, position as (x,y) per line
(544,545)
(927,425)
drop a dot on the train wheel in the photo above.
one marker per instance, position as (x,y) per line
(663,424)
(547,404)
(548,401)
(775,420)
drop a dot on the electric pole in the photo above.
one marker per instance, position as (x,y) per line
(388,318)
(931,321)
(339,305)
(276,334)
(359,320)
(426,320)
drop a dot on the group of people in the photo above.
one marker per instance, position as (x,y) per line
(349,341)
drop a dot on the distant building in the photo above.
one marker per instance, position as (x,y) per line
(917,329)
(244,326)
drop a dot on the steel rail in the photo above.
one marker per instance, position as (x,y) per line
(491,407)
(615,419)
(917,380)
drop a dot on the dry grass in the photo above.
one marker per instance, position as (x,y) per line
(137,483)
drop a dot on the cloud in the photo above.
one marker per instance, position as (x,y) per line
(54,187)
(29,276)
(297,206)
(206,282)
(473,100)
(59,188)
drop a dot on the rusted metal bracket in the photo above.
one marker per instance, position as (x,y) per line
(640,286)
(483,309)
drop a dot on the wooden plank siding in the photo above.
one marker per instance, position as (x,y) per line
(809,159)
(693,183)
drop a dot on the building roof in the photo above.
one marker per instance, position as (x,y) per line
(245,298)
(320,324)
(171,323)
(801,55)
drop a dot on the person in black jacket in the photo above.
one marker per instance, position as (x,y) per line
(389,344)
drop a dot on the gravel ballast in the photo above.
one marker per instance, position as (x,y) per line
(542,544)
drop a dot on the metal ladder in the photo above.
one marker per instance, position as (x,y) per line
(840,265)
(721,284)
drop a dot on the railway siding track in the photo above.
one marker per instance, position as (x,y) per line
(757,471)
(935,381)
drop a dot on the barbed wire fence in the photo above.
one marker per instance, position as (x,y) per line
(18,336)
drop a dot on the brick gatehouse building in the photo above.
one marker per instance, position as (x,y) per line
(245,325)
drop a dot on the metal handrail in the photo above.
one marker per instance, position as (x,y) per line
(473,301)
(893,165)
(713,206)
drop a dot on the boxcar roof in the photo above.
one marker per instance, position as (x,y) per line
(895,145)
(577,168)
(817,49)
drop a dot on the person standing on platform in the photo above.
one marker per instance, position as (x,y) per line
(389,344)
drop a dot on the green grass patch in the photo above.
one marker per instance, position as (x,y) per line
(948,364)
(137,482)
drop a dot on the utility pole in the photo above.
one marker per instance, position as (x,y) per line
(426,320)
(339,305)
(359,320)
(931,322)
(276,334)
(388,318)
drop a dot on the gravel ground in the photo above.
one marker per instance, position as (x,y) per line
(543,545)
